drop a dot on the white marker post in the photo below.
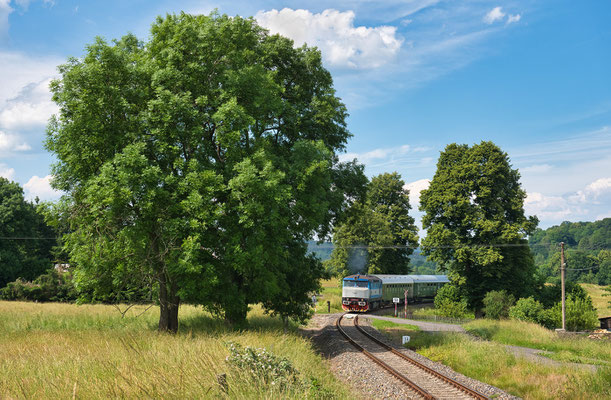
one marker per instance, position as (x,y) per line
(396,301)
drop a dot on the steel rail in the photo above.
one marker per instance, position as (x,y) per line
(381,363)
(444,378)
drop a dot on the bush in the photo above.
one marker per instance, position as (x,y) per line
(549,295)
(450,303)
(51,286)
(262,364)
(497,304)
(580,315)
(529,310)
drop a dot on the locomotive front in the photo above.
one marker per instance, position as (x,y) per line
(361,292)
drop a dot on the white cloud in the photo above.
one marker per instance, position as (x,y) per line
(554,208)
(494,15)
(376,154)
(536,169)
(11,143)
(333,32)
(593,192)
(5,10)
(41,188)
(6,172)
(513,18)
(18,71)
(587,204)
(31,108)
(414,191)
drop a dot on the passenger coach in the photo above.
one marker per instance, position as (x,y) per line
(370,292)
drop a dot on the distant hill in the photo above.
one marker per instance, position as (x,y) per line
(587,251)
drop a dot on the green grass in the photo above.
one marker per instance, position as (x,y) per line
(518,333)
(66,351)
(490,362)
(383,324)
(601,303)
(332,292)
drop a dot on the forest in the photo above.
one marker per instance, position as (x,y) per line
(587,251)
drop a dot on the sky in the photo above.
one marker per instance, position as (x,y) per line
(531,76)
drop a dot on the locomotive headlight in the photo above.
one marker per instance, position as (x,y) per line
(345,302)
(362,303)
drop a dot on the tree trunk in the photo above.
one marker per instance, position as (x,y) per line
(168,306)
(236,315)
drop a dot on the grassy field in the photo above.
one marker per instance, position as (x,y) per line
(331,291)
(389,325)
(571,348)
(67,351)
(600,302)
(490,362)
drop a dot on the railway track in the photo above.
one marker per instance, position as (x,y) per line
(424,381)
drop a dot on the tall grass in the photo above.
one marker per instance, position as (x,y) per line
(600,302)
(527,334)
(68,351)
(332,292)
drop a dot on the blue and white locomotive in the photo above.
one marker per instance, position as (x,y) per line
(370,292)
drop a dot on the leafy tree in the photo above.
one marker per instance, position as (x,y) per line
(379,235)
(497,304)
(203,160)
(25,248)
(475,222)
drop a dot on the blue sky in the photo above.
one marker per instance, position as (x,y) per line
(532,76)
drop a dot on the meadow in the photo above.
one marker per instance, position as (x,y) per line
(600,302)
(58,350)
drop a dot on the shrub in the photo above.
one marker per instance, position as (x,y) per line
(51,286)
(580,315)
(262,364)
(450,303)
(497,304)
(527,309)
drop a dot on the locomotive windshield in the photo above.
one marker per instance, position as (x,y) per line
(355,284)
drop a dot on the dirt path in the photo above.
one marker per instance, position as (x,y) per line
(530,354)
(423,325)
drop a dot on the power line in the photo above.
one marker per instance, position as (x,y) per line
(27,238)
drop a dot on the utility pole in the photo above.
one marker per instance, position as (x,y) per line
(562,265)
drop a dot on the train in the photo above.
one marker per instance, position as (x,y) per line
(363,293)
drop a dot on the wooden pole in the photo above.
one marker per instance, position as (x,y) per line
(562,265)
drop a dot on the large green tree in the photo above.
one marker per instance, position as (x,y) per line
(378,235)
(475,222)
(25,240)
(204,159)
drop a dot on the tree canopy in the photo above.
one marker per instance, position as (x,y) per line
(378,234)
(27,242)
(203,159)
(475,222)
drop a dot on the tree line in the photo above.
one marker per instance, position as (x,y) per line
(587,254)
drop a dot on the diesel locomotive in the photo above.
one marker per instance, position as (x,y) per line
(370,292)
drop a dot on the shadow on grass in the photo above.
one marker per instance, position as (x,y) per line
(207,324)
(484,332)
